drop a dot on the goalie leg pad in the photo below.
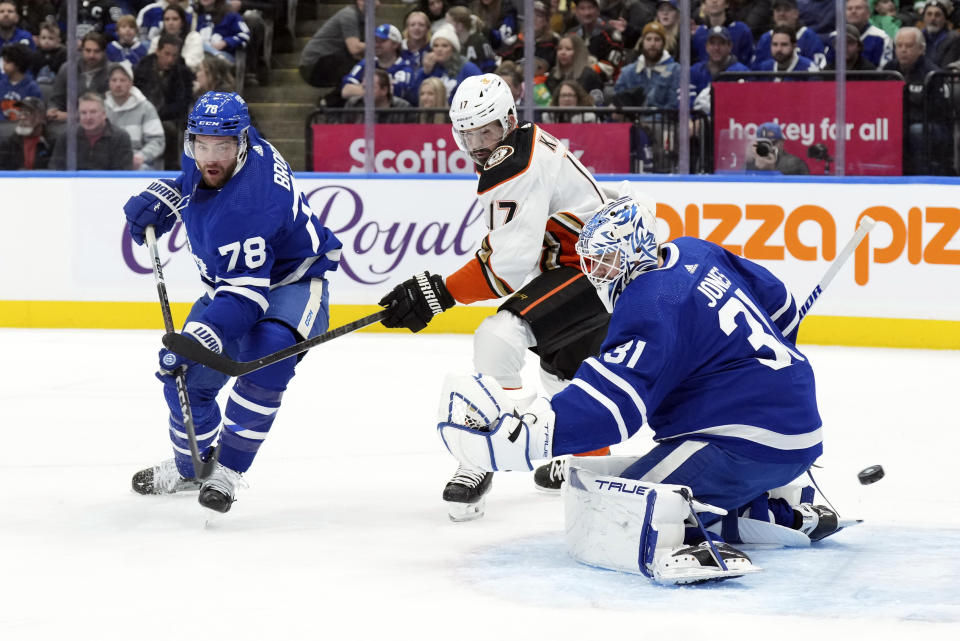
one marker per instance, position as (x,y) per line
(623,524)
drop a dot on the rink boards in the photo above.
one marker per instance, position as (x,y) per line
(66,260)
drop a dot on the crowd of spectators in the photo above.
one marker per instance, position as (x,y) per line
(141,65)
(594,56)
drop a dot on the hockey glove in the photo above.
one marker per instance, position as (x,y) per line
(478,425)
(170,361)
(414,302)
(157,205)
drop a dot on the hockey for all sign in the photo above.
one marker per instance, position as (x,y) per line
(805,113)
(430,149)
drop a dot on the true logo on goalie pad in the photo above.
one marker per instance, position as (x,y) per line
(625,488)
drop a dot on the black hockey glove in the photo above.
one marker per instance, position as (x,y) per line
(413,303)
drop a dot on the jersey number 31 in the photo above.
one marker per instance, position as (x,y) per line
(728,316)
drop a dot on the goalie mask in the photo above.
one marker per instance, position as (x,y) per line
(483,113)
(223,115)
(618,244)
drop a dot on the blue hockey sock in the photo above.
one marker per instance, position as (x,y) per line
(247,419)
(206,421)
(255,398)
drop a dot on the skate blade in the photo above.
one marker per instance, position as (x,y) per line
(211,520)
(462,512)
(548,490)
(692,576)
(843,524)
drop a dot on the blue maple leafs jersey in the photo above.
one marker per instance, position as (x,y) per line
(703,347)
(254,234)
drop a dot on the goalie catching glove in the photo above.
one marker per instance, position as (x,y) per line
(414,302)
(478,424)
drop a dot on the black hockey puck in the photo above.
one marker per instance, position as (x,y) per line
(870,474)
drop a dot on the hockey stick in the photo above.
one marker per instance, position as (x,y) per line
(201,468)
(189,348)
(865,226)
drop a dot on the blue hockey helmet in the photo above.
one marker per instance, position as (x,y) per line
(618,243)
(219,113)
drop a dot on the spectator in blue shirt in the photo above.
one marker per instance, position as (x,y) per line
(819,15)
(809,44)
(223,31)
(719,59)
(16,81)
(784,54)
(387,44)
(416,41)
(445,62)
(714,13)
(877,45)
(150,19)
(128,45)
(10,33)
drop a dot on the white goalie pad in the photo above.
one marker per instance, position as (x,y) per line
(637,527)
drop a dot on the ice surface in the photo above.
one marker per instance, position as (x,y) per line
(342,534)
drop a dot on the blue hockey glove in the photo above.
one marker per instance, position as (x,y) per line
(157,205)
(203,334)
(170,362)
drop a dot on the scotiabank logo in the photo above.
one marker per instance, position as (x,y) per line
(432,158)
(924,234)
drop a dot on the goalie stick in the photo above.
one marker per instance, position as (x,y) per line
(865,226)
(189,348)
(201,468)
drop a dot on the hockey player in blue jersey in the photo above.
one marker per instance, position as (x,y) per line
(262,257)
(702,348)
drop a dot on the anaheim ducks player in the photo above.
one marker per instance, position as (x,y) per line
(537,196)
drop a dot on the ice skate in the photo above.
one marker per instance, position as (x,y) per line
(550,477)
(219,490)
(465,492)
(697,564)
(163,478)
(818,521)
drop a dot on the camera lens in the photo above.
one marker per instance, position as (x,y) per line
(763,148)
